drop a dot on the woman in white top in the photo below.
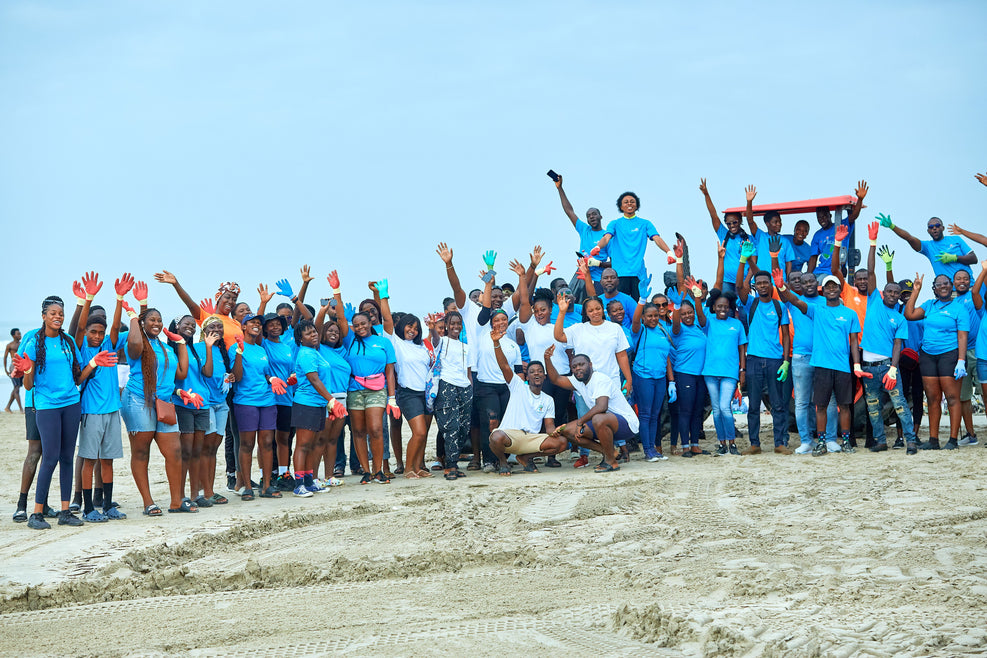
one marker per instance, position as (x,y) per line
(414,359)
(454,400)
(602,341)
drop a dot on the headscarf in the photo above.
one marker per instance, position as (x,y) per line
(228,286)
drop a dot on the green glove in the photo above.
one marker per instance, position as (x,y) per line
(747,250)
(381,287)
(783,371)
(885,220)
(947,258)
(489,258)
(886,255)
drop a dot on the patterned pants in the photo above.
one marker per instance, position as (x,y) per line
(452,413)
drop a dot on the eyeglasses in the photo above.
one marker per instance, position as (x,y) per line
(661,304)
(936,225)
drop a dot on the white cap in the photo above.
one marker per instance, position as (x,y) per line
(828,278)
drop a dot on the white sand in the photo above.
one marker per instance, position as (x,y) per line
(842,555)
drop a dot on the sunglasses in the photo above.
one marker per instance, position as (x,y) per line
(661,304)
(936,225)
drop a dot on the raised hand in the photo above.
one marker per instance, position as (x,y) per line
(306,274)
(333,280)
(549,352)
(23,363)
(140,293)
(381,287)
(887,255)
(747,249)
(751,192)
(516,267)
(210,340)
(278,386)
(547,269)
(779,278)
(207,306)
(284,288)
(164,276)
(123,285)
(890,379)
(702,187)
(583,266)
(841,233)
(239,343)
(982,178)
(79,292)
(104,359)
(917,284)
(489,257)
(644,288)
(721,250)
(774,246)
(885,220)
(445,253)
(496,335)
(679,248)
(292,379)
(178,338)
(349,311)
(862,189)
(536,255)
(131,313)
(954,229)
(872,230)
(265,296)
(563,303)
(91,284)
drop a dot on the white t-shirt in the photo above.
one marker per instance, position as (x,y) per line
(525,410)
(487,370)
(600,344)
(599,386)
(413,363)
(470,312)
(454,359)
(538,338)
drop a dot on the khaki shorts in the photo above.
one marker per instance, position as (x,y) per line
(366,399)
(971,380)
(523,443)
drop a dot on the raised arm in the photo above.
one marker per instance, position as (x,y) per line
(121,286)
(135,343)
(80,300)
(340,309)
(164,276)
(912,241)
(887,256)
(834,265)
(912,313)
(300,311)
(982,178)
(505,367)
(969,235)
(524,301)
(714,217)
(751,192)
(786,295)
(381,290)
(265,296)
(552,373)
(566,206)
(563,303)
(445,253)
(743,287)
(582,264)
(861,192)
(872,230)
(978,301)
(721,253)
(643,295)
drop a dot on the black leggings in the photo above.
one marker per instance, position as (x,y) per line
(911,386)
(491,403)
(59,429)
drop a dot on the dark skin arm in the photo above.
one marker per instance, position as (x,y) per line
(386,319)
(813,259)
(552,373)
(300,311)
(164,276)
(721,253)
(970,258)
(445,253)
(797,302)
(751,192)
(320,388)
(505,367)
(134,344)
(910,312)
(912,241)
(861,192)
(714,217)
(210,340)
(978,301)
(855,348)
(566,206)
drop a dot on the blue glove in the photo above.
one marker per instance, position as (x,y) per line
(672,394)
(381,287)
(489,258)
(349,311)
(644,288)
(284,288)
(885,221)
(959,372)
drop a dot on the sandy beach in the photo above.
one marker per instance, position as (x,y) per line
(843,555)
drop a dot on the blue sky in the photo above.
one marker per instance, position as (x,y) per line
(239,140)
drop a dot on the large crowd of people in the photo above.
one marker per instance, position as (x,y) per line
(513,373)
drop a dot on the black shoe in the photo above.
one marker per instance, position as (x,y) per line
(75,507)
(380,478)
(366,479)
(898,443)
(37,522)
(912,448)
(285,483)
(65,517)
(951,445)
(20,516)
(721,449)
(733,449)
(931,444)
(687,453)
(870,443)
(880,447)
(231,481)
(552,462)
(49,512)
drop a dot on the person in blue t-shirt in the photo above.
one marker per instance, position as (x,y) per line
(835,338)
(33,457)
(280,351)
(191,410)
(689,349)
(628,238)
(772,249)
(801,248)
(730,232)
(823,239)
(948,255)
(590,233)
(218,379)
(973,305)
(725,361)
(947,325)
(609,283)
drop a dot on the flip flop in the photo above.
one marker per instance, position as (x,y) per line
(216,499)
(247,494)
(451,475)
(605,468)
(187,506)
(505,470)
(152,510)
(531,468)
(270,492)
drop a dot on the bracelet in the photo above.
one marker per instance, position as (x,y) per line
(449,266)
(497,346)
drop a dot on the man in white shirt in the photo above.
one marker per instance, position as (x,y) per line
(519,432)
(610,418)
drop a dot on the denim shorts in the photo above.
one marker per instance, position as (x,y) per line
(218,414)
(982,369)
(139,418)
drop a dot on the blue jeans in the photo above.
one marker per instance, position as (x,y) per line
(805,411)
(762,373)
(721,390)
(649,394)
(691,395)
(874,387)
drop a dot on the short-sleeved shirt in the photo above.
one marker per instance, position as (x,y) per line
(803,252)
(25,341)
(487,370)
(525,410)
(601,344)
(213,393)
(367,357)
(166,367)
(942,322)
(854,301)
(628,244)
(949,244)
(54,387)
(785,256)
(652,352)
(723,341)
(764,339)
(252,389)
(101,392)
(822,246)
(598,386)
(573,316)
(731,260)
(690,349)
(539,337)
(231,328)
(802,341)
(454,361)
(882,327)
(339,379)
(967,300)
(281,357)
(831,329)
(588,238)
(982,333)
(628,302)
(309,360)
(414,363)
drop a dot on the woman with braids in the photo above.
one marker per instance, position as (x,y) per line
(190,408)
(254,405)
(217,380)
(688,332)
(280,352)
(50,367)
(146,405)
(454,399)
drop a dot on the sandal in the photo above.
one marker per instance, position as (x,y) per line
(152,510)
(248,494)
(424,474)
(187,506)
(530,468)
(388,474)
(216,499)
(411,475)
(605,467)
(399,470)
(473,466)
(505,470)
(270,492)
(459,474)
(451,474)
(338,473)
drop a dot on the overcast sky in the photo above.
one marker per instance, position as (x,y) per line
(239,140)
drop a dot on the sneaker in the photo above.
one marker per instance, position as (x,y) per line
(721,449)
(316,488)
(879,447)
(783,450)
(898,443)
(37,522)
(75,507)
(968,440)
(333,482)
(912,448)
(804,449)
(931,444)
(848,446)
(285,482)
(366,479)
(582,462)
(95,516)
(687,453)
(113,514)
(820,448)
(302,492)
(951,445)
(833,446)
(20,516)
(380,478)
(66,517)
(231,482)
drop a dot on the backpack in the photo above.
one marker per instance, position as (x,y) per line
(757,300)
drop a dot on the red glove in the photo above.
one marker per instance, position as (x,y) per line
(23,363)
(173,336)
(131,313)
(92,284)
(292,379)
(890,379)
(736,394)
(207,306)
(79,292)
(594,251)
(841,233)
(239,342)
(671,259)
(277,385)
(105,359)
(860,373)
(333,279)
(872,229)
(546,269)
(392,407)
(185,397)
(779,278)
(188,397)
(123,285)
(581,263)
(140,293)
(337,409)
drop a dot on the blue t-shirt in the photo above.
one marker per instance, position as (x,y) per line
(628,244)
(588,238)
(195,380)
(25,341)
(252,389)
(339,379)
(731,260)
(367,357)
(723,341)
(831,329)
(803,252)
(942,321)
(281,356)
(573,316)
(949,244)
(213,393)
(690,349)
(822,246)
(309,360)
(54,387)
(765,341)
(882,325)
(626,301)
(652,353)
(167,366)
(967,300)
(802,341)
(760,240)
(101,392)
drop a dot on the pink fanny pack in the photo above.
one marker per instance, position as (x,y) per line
(373,382)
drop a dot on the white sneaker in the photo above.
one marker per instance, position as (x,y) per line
(968,441)
(804,449)
(833,446)
(654,458)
